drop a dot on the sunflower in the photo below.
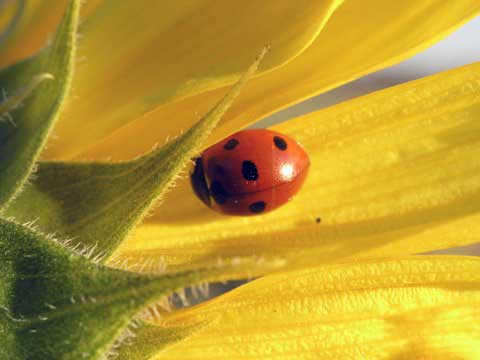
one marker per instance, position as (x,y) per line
(103,223)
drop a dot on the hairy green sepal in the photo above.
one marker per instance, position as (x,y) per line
(97,204)
(55,304)
(29,106)
(149,340)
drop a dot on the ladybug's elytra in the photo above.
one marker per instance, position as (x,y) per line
(250,172)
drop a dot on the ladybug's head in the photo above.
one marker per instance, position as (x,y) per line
(199,183)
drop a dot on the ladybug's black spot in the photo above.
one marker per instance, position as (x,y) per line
(249,170)
(258,207)
(318,220)
(280,143)
(231,144)
(218,193)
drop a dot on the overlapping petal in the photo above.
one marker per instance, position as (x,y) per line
(361,36)
(34,22)
(139,55)
(408,308)
(394,172)
(10,13)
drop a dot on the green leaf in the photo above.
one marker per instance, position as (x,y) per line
(22,138)
(55,304)
(97,204)
(148,340)
(12,102)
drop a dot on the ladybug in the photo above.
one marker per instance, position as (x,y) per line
(250,172)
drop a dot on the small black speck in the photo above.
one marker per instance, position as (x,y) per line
(280,143)
(249,170)
(258,207)
(231,144)
(218,193)
(318,220)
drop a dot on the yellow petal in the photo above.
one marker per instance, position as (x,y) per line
(10,12)
(361,36)
(36,21)
(139,54)
(393,172)
(409,308)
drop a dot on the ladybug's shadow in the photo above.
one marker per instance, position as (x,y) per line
(339,241)
(334,243)
(182,207)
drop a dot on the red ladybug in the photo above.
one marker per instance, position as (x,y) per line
(250,172)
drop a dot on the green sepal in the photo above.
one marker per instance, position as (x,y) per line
(24,134)
(13,101)
(55,304)
(97,204)
(148,340)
